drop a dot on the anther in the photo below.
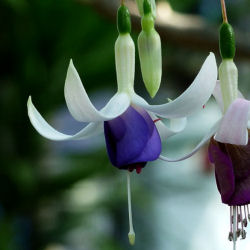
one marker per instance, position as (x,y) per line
(243,234)
(138,170)
(131,169)
(238,233)
(230,236)
(245,219)
(203,106)
(245,222)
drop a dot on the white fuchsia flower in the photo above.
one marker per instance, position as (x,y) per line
(127,119)
(132,129)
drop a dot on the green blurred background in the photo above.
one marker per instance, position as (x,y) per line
(67,196)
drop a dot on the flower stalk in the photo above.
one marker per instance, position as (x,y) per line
(224,11)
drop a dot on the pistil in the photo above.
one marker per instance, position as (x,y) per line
(131,234)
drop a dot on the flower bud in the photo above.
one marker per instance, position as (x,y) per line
(227,41)
(228,75)
(140,5)
(149,47)
(123,20)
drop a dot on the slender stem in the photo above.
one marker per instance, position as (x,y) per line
(235,215)
(122,2)
(131,234)
(224,11)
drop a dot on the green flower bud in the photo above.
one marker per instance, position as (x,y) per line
(140,5)
(228,75)
(146,7)
(149,46)
(227,41)
(123,20)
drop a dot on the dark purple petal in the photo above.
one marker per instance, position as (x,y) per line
(132,138)
(232,170)
(223,170)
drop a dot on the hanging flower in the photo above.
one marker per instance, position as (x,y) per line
(229,146)
(132,136)
(132,129)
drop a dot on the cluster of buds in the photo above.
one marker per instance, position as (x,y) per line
(149,47)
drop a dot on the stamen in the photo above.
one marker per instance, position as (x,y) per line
(230,235)
(243,232)
(203,106)
(131,234)
(248,215)
(245,217)
(138,170)
(156,120)
(234,226)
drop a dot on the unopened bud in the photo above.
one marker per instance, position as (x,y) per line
(140,5)
(149,47)
(123,20)
(227,41)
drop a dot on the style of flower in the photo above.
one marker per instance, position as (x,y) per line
(132,136)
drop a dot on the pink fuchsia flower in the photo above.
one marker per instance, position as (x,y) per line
(229,150)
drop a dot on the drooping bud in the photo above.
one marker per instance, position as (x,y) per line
(124,52)
(140,5)
(149,47)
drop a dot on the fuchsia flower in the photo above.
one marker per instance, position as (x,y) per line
(132,137)
(132,129)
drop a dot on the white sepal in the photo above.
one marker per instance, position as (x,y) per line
(206,137)
(80,105)
(233,128)
(44,129)
(192,99)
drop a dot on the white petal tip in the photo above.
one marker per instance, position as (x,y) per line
(29,102)
(235,141)
(71,64)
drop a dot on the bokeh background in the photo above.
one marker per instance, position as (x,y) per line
(66,195)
